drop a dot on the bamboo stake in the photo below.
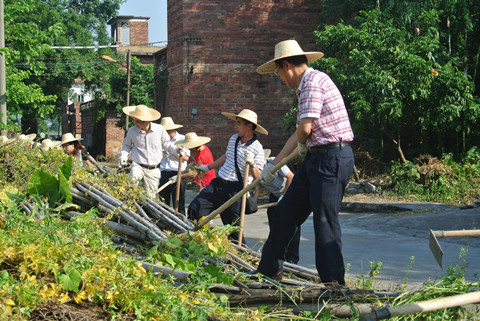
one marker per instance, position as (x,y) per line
(179,180)
(244,204)
(243,191)
(165,219)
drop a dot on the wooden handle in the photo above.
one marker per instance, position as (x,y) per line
(243,191)
(244,203)
(457,233)
(179,178)
(435,304)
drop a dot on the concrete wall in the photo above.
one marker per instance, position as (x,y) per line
(214,48)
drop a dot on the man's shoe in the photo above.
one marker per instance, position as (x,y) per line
(255,275)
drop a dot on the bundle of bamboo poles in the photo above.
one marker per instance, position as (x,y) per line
(148,221)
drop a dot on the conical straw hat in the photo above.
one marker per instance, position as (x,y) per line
(248,115)
(287,48)
(192,140)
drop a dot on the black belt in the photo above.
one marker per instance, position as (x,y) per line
(148,166)
(323,149)
(224,181)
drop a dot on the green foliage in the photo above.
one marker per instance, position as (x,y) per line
(444,180)
(43,183)
(385,75)
(39,77)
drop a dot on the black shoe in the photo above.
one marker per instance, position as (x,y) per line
(255,275)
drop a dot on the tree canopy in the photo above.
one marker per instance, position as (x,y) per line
(39,77)
(406,71)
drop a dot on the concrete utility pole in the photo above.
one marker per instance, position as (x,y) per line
(3,86)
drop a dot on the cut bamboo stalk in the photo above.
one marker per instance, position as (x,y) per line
(244,264)
(165,220)
(184,223)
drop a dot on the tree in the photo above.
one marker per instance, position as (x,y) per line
(394,85)
(38,77)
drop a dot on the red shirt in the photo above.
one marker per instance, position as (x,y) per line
(204,157)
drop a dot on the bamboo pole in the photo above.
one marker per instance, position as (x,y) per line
(243,191)
(244,204)
(179,181)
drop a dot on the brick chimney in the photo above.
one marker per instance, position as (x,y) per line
(130,30)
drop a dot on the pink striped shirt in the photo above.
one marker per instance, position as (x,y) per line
(320,99)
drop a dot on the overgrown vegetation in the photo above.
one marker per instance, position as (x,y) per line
(53,265)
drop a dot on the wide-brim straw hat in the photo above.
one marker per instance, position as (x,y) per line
(48,144)
(142,112)
(192,141)
(284,49)
(168,123)
(248,115)
(68,138)
(29,137)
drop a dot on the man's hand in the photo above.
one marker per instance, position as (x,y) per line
(202,168)
(173,179)
(302,148)
(122,162)
(267,175)
(249,158)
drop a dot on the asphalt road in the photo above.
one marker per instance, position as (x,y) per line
(394,234)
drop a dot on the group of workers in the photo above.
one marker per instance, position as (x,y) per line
(322,137)
(157,153)
(69,143)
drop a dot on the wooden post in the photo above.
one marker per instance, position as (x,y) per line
(244,203)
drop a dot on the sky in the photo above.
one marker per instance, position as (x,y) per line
(156,10)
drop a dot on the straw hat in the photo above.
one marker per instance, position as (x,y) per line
(192,140)
(287,48)
(48,144)
(29,137)
(68,137)
(168,123)
(248,115)
(142,112)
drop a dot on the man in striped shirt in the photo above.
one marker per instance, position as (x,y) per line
(227,182)
(322,136)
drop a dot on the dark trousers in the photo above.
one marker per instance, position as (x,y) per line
(170,192)
(212,197)
(292,255)
(317,186)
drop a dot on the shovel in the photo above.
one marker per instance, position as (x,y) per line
(253,184)
(422,306)
(435,246)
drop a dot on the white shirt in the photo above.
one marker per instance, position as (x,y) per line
(227,171)
(170,161)
(146,148)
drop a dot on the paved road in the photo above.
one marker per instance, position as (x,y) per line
(399,239)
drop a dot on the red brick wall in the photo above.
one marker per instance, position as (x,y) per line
(113,135)
(138,32)
(225,41)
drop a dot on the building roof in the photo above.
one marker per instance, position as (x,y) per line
(113,20)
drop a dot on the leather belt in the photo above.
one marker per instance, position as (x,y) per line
(148,166)
(323,149)
(224,181)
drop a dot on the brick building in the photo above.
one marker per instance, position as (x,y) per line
(214,48)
